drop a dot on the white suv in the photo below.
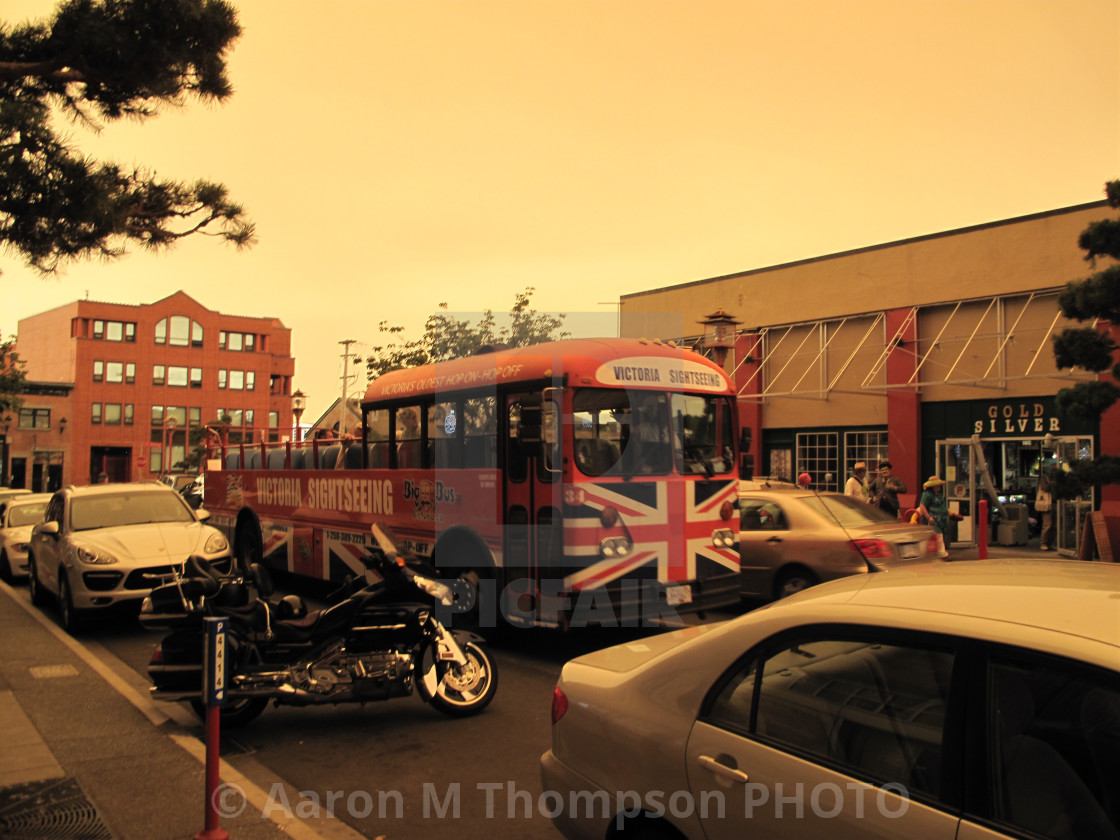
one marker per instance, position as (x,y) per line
(105,545)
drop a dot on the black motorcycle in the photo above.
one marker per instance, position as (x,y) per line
(374,640)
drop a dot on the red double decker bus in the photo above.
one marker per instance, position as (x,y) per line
(586,481)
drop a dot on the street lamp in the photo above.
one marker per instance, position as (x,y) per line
(719,335)
(299,403)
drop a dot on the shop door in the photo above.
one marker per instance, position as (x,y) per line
(1072,513)
(955,464)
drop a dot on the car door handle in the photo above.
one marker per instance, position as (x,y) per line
(774,540)
(721,769)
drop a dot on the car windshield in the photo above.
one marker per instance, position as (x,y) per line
(26,514)
(122,509)
(846,511)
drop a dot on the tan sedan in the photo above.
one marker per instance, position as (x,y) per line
(943,700)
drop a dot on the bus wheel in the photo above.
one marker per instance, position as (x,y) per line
(249,547)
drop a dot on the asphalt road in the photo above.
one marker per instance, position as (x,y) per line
(399,769)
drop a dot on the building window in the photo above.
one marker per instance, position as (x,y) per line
(129,411)
(178,413)
(237,380)
(34,418)
(250,415)
(130,373)
(238,342)
(180,332)
(250,380)
(99,329)
(95,416)
(273,419)
(98,371)
(870,447)
(177,376)
(157,415)
(130,332)
(196,377)
(818,454)
(114,372)
(114,331)
(223,377)
(112,414)
(159,374)
(183,332)
(196,416)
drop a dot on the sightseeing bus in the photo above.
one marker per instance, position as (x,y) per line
(584,481)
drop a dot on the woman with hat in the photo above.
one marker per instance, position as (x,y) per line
(936,511)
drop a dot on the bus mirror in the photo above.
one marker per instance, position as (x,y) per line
(745,439)
(746,466)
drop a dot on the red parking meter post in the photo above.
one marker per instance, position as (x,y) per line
(214,692)
(982,526)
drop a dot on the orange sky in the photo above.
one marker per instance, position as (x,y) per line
(399,154)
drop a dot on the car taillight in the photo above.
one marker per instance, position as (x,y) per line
(872,549)
(559,705)
(157,656)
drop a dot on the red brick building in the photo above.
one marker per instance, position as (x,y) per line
(116,390)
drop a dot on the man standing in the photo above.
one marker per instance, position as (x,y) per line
(857,484)
(885,489)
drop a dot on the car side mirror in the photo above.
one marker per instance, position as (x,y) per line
(50,528)
(203,514)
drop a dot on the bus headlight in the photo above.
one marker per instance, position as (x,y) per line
(723,538)
(615,547)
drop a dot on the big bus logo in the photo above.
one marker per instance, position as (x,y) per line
(425,495)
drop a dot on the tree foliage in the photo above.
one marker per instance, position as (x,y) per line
(98,61)
(12,378)
(1095,297)
(446,337)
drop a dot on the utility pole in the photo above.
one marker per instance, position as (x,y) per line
(346,342)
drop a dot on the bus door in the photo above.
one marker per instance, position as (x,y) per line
(531,509)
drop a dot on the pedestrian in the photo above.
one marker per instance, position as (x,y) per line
(856,486)
(935,510)
(1044,504)
(885,489)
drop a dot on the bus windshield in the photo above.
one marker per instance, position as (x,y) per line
(649,433)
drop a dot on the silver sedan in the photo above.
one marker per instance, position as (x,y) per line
(790,539)
(18,515)
(962,701)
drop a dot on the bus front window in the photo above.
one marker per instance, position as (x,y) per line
(621,432)
(703,433)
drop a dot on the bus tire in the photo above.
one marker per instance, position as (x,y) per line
(250,547)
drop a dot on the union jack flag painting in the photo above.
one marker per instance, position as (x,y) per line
(654,516)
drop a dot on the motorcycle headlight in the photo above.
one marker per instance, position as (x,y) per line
(437,590)
(93,557)
(216,543)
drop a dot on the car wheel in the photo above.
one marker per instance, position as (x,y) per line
(793,581)
(35,589)
(5,568)
(69,615)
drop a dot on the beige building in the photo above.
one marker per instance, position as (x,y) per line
(934,352)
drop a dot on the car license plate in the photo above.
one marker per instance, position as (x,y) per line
(908,551)
(677,595)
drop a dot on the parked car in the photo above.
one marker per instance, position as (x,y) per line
(195,492)
(944,700)
(791,538)
(18,514)
(102,546)
(10,492)
(178,481)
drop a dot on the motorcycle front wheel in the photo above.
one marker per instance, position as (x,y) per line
(461,691)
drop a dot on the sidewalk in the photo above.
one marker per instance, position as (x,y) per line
(87,755)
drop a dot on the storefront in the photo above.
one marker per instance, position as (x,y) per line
(1009,441)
